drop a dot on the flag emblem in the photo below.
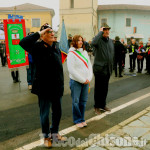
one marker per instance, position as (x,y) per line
(15,36)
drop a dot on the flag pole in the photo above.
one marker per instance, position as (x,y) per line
(15,8)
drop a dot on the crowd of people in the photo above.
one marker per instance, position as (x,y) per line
(45,72)
(49,71)
(137,51)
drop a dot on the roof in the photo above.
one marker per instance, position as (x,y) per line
(123,4)
(27,7)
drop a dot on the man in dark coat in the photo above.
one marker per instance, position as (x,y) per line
(49,80)
(119,49)
(133,54)
(103,66)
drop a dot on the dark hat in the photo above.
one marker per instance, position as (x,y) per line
(132,37)
(117,38)
(105,26)
(69,35)
(45,26)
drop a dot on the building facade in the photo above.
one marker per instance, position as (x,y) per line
(34,15)
(126,21)
(126,18)
(80,17)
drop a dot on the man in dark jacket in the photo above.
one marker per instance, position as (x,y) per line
(102,68)
(119,49)
(49,80)
(133,54)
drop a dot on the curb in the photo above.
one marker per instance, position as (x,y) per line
(113,129)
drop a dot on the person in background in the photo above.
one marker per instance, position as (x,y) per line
(133,54)
(140,57)
(15,75)
(80,73)
(69,40)
(90,49)
(124,53)
(55,41)
(86,44)
(119,48)
(146,54)
(103,66)
(3,53)
(30,70)
(148,57)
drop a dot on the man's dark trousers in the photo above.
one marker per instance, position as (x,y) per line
(45,104)
(132,61)
(116,68)
(101,90)
(2,59)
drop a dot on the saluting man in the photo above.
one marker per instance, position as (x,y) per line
(103,66)
(49,80)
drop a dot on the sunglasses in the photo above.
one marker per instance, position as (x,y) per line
(50,32)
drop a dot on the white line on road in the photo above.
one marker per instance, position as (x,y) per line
(74,128)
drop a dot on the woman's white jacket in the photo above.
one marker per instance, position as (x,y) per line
(78,71)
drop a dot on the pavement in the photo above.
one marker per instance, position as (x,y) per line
(128,97)
(131,134)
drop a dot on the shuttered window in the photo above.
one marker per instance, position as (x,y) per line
(128,22)
(71,3)
(36,22)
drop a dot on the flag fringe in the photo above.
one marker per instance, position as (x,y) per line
(64,52)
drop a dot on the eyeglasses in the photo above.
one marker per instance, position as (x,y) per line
(50,32)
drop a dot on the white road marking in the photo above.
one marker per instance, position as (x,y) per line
(74,128)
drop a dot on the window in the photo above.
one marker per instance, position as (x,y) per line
(128,22)
(36,22)
(27,30)
(71,3)
(103,20)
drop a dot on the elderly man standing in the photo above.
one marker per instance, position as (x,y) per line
(103,66)
(49,80)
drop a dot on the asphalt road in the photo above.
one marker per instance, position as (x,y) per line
(19,112)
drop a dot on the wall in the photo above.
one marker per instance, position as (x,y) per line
(45,17)
(116,19)
(82,19)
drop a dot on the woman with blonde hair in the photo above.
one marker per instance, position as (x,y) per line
(80,73)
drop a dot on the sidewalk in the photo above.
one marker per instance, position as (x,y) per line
(131,134)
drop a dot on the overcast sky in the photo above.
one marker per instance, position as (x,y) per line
(54,4)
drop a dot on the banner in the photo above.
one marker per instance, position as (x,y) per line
(63,44)
(14,32)
(11,16)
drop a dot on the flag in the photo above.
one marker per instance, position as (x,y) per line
(63,44)
(11,16)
